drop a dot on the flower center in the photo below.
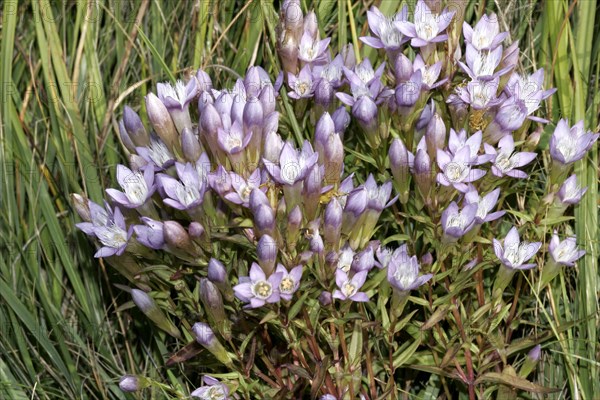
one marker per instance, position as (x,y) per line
(159,153)
(404,275)
(426,30)
(349,289)
(302,87)
(503,162)
(135,188)
(286,285)
(456,172)
(112,236)
(262,290)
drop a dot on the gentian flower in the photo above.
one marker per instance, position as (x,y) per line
(364,73)
(570,145)
(403,271)
(129,383)
(150,234)
(485,204)
(564,252)
(186,194)
(506,161)
(211,390)
(457,141)
(177,100)
(387,34)
(294,164)
(243,187)
(257,289)
(427,27)
(301,85)
(311,50)
(570,192)
(364,261)
(137,186)
(157,153)
(429,73)
(113,235)
(455,222)
(290,281)
(510,116)
(407,93)
(348,287)
(345,258)
(486,34)
(456,169)
(482,65)
(479,94)
(529,89)
(93,215)
(515,253)
(234,141)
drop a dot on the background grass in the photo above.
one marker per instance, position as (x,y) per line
(68,66)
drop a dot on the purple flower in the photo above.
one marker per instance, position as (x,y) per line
(514,253)
(427,27)
(564,252)
(313,51)
(455,222)
(478,94)
(257,289)
(150,234)
(529,89)
(387,34)
(570,145)
(486,34)
(97,216)
(456,169)
(156,153)
(243,187)
(348,287)
(485,204)
(403,271)
(113,235)
(482,65)
(294,164)
(570,192)
(459,140)
(345,258)
(234,141)
(506,161)
(301,85)
(290,281)
(429,73)
(137,187)
(211,390)
(407,93)
(364,261)
(187,193)
(178,97)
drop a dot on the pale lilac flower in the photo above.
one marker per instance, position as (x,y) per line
(301,85)
(364,73)
(485,204)
(294,164)
(457,141)
(564,252)
(211,390)
(510,116)
(530,90)
(456,222)
(113,235)
(312,50)
(482,65)
(349,287)
(506,161)
(364,261)
(428,27)
(345,258)
(378,196)
(456,169)
(407,93)
(570,192)
(387,34)
(515,253)
(570,145)
(150,234)
(98,216)
(137,186)
(185,193)
(478,94)
(429,73)
(156,153)
(486,34)
(129,384)
(257,289)
(243,187)
(178,97)
(403,271)
(234,141)
(290,281)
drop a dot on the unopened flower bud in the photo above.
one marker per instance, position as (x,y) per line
(147,305)
(213,305)
(161,120)
(531,361)
(267,99)
(204,81)
(333,222)
(130,384)
(253,113)
(190,145)
(325,298)
(127,142)
(176,236)
(266,251)
(82,207)
(341,120)
(272,146)
(435,135)
(135,128)
(206,337)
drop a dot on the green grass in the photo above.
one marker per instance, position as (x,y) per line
(64,66)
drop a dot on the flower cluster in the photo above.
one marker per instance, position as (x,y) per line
(275,229)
